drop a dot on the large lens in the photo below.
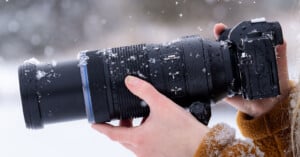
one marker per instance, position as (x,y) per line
(186,70)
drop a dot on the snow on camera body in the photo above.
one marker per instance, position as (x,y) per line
(191,71)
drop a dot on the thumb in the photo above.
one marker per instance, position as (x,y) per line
(145,91)
(237,102)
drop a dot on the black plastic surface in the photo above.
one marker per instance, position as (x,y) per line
(187,70)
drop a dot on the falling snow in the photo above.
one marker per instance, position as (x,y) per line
(40,74)
(83,58)
(23,38)
(180,15)
(54,63)
(132,58)
(32,61)
(141,75)
(143,104)
(152,60)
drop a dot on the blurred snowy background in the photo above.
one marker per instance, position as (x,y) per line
(58,29)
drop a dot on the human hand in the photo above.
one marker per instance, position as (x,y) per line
(169,130)
(256,108)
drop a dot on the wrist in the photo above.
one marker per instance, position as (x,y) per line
(199,134)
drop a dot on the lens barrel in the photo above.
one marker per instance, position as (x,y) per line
(186,70)
(51,93)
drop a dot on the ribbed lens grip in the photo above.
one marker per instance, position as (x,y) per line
(124,61)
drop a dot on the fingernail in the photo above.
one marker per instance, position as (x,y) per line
(133,81)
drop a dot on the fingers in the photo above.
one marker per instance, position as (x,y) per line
(218,29)
(245,106)
(235,101)
(147,92)
(281,57)
(120,134)
(282,47)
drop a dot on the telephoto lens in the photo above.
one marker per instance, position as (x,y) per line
(191,71)
(51,93)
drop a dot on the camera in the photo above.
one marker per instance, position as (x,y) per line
(191,71)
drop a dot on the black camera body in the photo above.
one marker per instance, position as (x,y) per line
(254,44)
(191,71)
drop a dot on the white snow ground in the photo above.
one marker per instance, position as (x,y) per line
(75,139)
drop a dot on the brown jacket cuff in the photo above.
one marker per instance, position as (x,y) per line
(276,120)
(216,140)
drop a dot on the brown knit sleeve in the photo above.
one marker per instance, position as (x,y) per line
(220,141)
(270,132)
(270,135)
